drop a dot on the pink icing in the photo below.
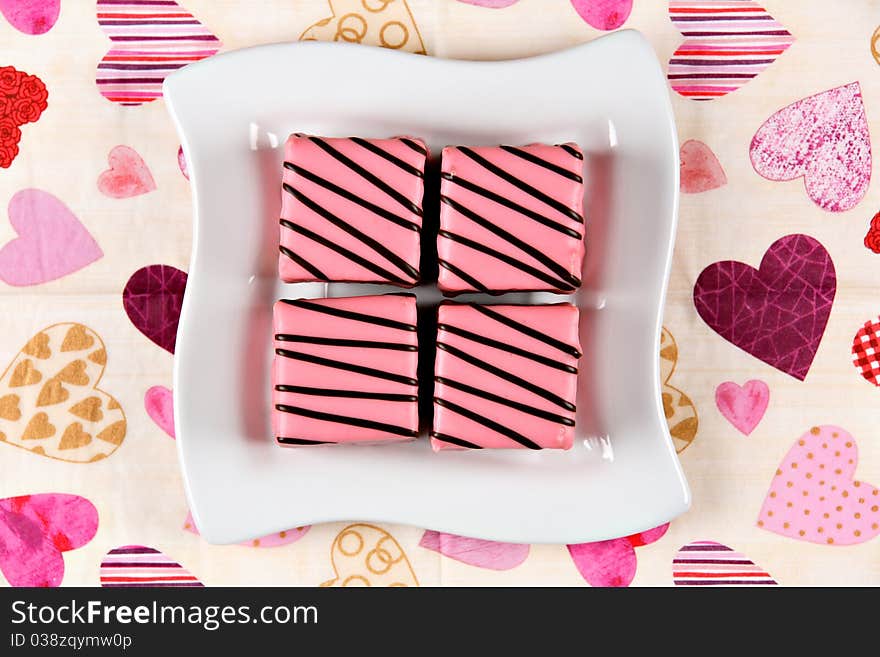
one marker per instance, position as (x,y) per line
(389,177)
(558,322)
(300,323)
(521,244)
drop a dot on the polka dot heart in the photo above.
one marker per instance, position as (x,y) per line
(814,495)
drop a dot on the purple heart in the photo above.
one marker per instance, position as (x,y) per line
(777,312)
(152,299)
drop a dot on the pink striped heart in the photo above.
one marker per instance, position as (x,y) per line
(707,563)
(138,566)
(151,38)
(726,45)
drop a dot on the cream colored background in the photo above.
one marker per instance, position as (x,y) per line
(138,491)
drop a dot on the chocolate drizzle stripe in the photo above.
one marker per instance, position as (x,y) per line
(507,376)
(498,399)
(351,314)
(501,200)
(416,146)
(302,262)
(541,162)
(341,250)
(344,342)
(463,275)
(571,150)
(302,441)
(371,242)
(543,258)
(522,185)
(504,346)
(452,440)
(366,175)
(381,152)
(513,262)
(347,394)
(486,422)
(344,193)
(528,330)
(347,419)
(350,367)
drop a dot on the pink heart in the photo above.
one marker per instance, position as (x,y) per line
(158,401)
(603,14)
(138,566)
(475,551)
(824,139)
(612,562)
(145,51)
(700,169)
(36,529)
(814,496)
(725,46)
(52,242)
(181,162)
(31,16)
(743,406)
(152,299)
(707,563)
(272,540)
(127,176)
(776,313)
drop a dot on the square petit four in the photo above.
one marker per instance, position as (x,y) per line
(351,209)
(345,370)
(505,376)
(510,218)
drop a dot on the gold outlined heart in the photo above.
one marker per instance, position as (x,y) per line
(385,23)
(366,555)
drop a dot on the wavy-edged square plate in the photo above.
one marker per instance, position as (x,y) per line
(234,112)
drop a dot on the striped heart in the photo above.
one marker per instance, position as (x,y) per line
(137,566)
(151,38)
(706,563)
(727,43)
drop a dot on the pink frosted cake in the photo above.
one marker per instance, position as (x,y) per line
(505,376)
(352,210)
(345,370)
(510,219)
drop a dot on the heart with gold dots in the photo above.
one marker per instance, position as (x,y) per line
(49,400)
(814,495)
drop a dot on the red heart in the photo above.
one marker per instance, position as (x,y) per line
(866,351)
(23,98)
(127,176)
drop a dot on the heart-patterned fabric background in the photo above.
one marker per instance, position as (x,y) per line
(768,364)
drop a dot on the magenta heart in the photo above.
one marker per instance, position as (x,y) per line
(743,406)
(52,242)
(612,562)
(475,551)
(152,299)
(824,139)
(776,313)
(603,14)
(159,404)
(36,529)
(31,16)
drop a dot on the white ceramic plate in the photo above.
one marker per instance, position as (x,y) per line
(233,113)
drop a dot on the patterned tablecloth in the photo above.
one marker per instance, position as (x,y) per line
(769,355)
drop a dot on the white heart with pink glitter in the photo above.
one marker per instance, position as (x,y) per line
(824,139)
